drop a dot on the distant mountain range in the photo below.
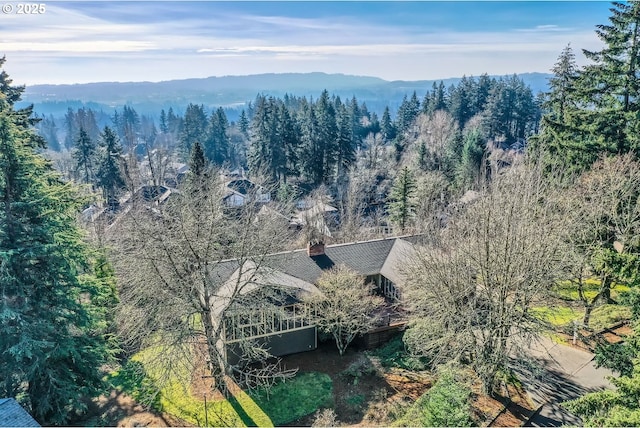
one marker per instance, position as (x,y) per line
(233,92)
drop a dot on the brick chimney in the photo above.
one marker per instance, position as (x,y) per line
(315,249)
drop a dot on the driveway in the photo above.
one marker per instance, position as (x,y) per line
(560,373)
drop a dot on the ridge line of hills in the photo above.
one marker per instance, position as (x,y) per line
(233,91)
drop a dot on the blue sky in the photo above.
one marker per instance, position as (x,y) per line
(78,42)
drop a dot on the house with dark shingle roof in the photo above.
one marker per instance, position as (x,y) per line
(292,329)
(13,415)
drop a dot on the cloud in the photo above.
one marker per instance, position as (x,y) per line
(166,40)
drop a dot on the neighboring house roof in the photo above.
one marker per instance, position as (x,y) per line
(229,193)
(241,185)
(13,415)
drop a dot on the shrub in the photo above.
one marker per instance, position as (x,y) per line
(446,404)
(395,354)
(325,418)
(362,366)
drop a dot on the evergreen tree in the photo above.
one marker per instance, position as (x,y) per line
(407,113)
(164,127)
(70,129)
(356,128)
(243,124)
(311,150)
(401,199)
(481,95)
(51,331)
(460,101)
(110,177)
(197,161)
(84,156)
(438,98)
(216,145)
(510,113)
(327,136)
(602,106)
(265,154)
(47,129)
(127,126)
(288,138)
(386,126)
(559,104)
(194,127)
(469,169)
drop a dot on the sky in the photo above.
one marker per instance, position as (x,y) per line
(98,41)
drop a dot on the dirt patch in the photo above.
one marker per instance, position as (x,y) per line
(367,399)
(409,384)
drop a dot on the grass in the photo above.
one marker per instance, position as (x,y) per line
(293,399)
(607,315)
(133,380)
(566,290)
(175,397)
(558,316)
(602,317)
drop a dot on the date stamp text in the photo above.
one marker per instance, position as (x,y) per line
(23,8)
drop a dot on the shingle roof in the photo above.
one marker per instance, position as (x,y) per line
(365,258)
(13,415)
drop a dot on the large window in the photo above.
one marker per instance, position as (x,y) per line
(246,324)
(385,287)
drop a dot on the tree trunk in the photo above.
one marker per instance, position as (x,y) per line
(587,313)
(216,359)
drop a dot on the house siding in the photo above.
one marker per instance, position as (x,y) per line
(279,344)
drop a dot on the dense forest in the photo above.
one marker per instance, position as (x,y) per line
(113,224)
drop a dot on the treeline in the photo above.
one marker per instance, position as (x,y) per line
(312,140)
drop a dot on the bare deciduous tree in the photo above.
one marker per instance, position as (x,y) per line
(432,136)
(346,307)
(471,291)
(181,267)
(605,239)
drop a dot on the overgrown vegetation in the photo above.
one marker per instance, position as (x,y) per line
(394,353)
(446,404)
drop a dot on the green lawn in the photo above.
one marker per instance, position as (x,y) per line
(559,316)
(569,291)
(284,403)
(602,317)
(293,399)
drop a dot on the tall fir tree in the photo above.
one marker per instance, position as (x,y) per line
(110,177)
(84,155)
(606,116)
(194,128)
(52,333)
(197,160)
(216,145)
(401,200)
(387,128)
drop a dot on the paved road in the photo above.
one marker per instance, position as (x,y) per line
(560,373)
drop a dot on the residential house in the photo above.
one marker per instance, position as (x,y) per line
(290,328)
(241,191)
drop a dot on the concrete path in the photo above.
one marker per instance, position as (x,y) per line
(560,373)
